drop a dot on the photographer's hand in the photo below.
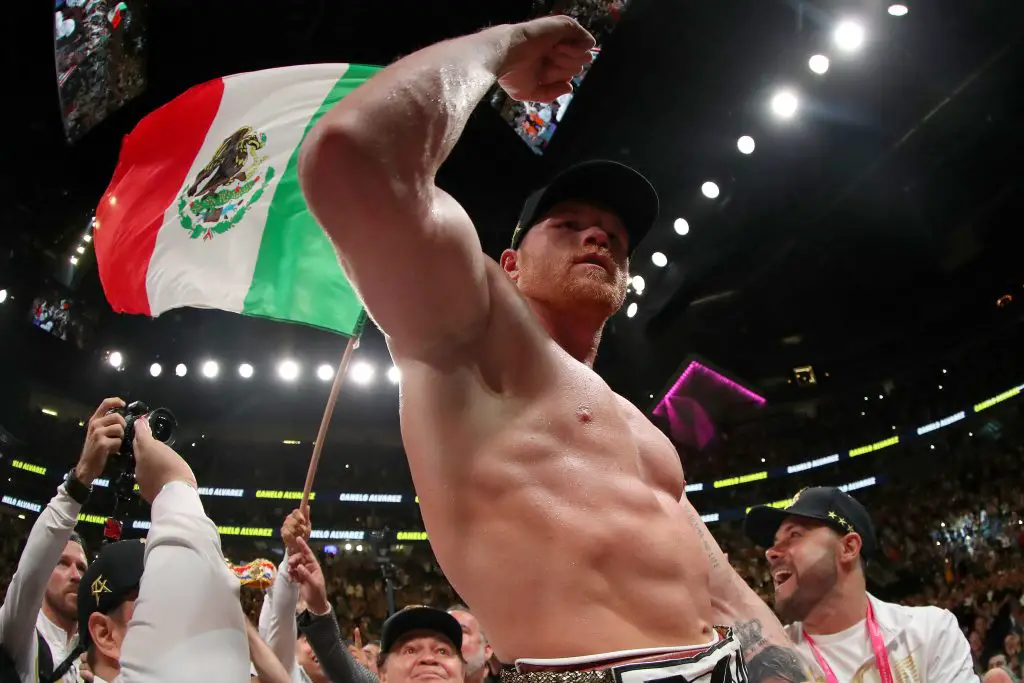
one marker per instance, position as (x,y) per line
(296,526)
(102,438)
(304,570)
(156,463)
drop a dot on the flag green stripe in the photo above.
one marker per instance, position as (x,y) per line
(297,276)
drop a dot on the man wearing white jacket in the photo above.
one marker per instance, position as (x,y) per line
(817,547)
(41,601)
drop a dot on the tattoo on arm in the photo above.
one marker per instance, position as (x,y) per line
(702,533)
(770,662)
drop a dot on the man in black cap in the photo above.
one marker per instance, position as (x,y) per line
(583,544)
(419,642)
(106,602)
(817,547)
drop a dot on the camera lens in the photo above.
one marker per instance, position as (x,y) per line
(162,423)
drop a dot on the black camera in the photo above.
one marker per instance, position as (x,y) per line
(161,422)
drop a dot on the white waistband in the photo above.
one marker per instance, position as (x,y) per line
(619,654)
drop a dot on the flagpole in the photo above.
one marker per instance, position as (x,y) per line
(353,342)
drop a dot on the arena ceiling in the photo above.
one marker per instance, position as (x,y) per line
(877,226)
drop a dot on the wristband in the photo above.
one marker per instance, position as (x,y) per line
(78,491)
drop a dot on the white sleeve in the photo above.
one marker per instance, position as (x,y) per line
(42,552)
(188,622)
(277,625)
(949,653)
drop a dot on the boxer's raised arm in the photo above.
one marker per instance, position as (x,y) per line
(368,167)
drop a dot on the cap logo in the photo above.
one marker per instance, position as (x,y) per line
(797,496)
(99,587)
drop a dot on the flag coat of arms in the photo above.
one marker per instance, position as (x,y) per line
(205,210)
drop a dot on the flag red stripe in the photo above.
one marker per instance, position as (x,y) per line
(154,162)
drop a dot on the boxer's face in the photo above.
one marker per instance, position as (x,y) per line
(576,257)
(804,566)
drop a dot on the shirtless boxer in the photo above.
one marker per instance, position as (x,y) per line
(553,505)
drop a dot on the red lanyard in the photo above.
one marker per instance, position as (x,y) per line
(877,644)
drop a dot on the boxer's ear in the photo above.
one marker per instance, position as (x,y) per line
(850,549)
(510,263)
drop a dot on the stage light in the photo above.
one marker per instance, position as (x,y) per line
(3,295)
(155,369)
(785,104)
(74,260)
(394,374)
(681,226)
(49,411)
(359,548)
(639,284)
(898,10)
(325,372)
(849,35)
(180,369)
(659,259)
(710,190)
(631,309)
(87,237)
(210,369)
(348,546)
(80,249)
(818,63)
(745,145)
(245,370)
(288,370)
(361,372)
(115,359)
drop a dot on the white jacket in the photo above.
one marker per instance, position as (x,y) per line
(925,645)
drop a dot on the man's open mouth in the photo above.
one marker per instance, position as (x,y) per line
(781,576)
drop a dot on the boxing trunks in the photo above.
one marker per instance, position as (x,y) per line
(719,661)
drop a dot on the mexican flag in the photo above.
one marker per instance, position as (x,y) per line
(205,210)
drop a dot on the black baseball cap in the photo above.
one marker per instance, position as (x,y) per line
(420,618)
(109,581)
(825,504)
(608,184)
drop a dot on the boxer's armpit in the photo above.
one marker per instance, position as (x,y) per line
(767,661)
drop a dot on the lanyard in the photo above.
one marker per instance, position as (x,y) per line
(877,644)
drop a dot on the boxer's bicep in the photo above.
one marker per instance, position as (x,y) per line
(408,247)
(767,650)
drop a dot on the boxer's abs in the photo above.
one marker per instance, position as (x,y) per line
(560,524)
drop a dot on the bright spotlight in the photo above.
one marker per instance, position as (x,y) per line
(394,374)
(245,370)
(681,226)
(288,370)
(819,64)
(359,548)
(745,145)
(3,295)
(155,369)
(709,190)
(631,309)
(325,372)
(348,546)
(898,10)
(659,259)
(74,260)
(849,35)
(362,373)
(210,369)
(80,249)
(87,237)
(785,104)
(639,283)
(115,359)
(180,369)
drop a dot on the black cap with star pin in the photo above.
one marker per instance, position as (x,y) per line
(826,504)
(110,581)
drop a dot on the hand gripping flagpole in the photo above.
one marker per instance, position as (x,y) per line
(346,357)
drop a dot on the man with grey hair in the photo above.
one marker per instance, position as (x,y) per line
(475,649)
